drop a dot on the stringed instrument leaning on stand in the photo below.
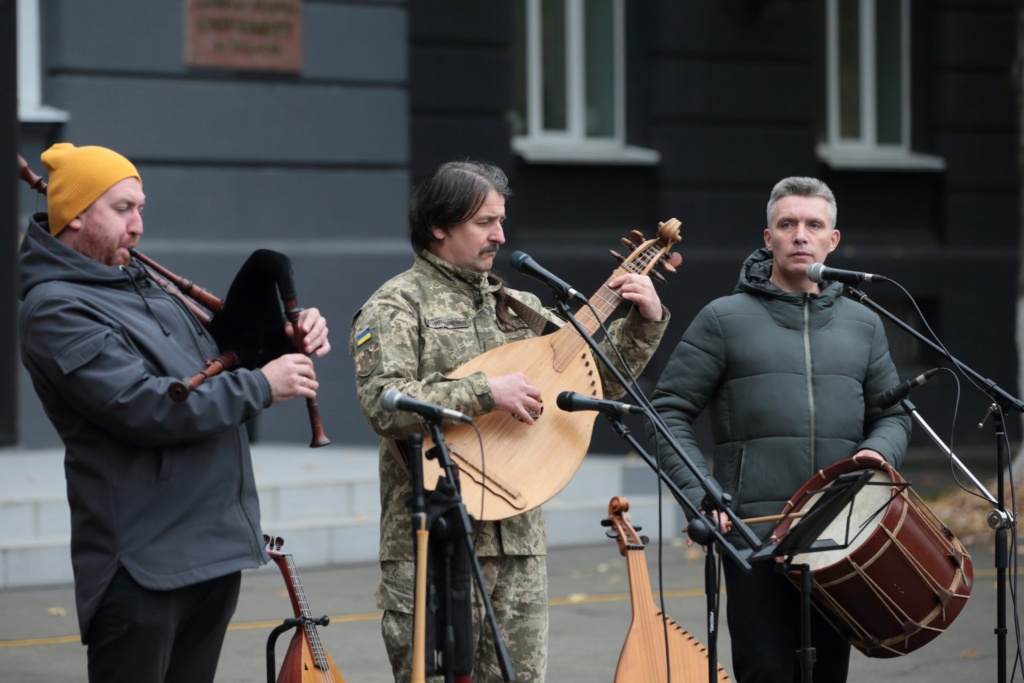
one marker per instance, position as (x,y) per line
(643,657)
(306,660)
(523,465)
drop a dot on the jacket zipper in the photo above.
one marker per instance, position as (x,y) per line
(808,369)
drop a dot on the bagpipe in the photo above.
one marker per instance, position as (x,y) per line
(246,325)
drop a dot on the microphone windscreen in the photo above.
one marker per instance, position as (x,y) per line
(565,400)
(389,399)
(518,259)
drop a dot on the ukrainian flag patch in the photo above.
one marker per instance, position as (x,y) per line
(363,337)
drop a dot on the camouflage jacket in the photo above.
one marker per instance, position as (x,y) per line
(417,327)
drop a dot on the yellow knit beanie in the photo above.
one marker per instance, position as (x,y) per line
(78,176)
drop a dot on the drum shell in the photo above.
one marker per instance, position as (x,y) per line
(902,586)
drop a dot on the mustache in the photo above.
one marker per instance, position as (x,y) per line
(493,249)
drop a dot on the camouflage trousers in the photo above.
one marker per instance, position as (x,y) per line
(518,589)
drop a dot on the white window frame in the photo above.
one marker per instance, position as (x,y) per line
(573,145)
(30,70)
(865,151)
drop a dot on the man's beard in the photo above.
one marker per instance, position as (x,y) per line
(97,246)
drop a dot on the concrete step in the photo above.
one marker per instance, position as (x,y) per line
(324,502)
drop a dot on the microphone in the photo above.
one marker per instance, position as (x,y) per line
(570,401)
(891,397)
(393,400)
(527,266)
(819,272)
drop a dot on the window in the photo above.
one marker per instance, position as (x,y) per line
(30,73)
(569,83)
(868,88)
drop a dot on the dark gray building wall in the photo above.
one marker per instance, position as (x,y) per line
(737,104)
(9,407)
(313,164)
(460,82)
(319,165)
(731,95)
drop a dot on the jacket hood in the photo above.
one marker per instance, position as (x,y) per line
(756,273)
(43,258)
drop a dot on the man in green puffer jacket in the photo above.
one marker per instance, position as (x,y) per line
(791,373)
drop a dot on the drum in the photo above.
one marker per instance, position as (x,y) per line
(902,578)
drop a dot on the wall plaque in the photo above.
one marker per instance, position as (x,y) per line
(244,34)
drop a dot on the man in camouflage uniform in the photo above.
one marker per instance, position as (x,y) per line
(419,326)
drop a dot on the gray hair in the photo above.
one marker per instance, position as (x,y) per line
(802,187)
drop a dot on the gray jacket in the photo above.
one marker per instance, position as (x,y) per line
(164,489)
(791,382)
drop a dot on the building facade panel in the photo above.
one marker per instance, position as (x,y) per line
(349,42)
(730,91)
(459,79)
(441,138)
(973,100)
(983,219)
(300,205)
(460,21)
(189,120)
(979,36)
(979,160)
(733,155)
(739,30)
(115,36)
(360,43)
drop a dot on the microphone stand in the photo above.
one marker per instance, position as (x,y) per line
(911,410)
(999,519)
(464,528)
(700,529)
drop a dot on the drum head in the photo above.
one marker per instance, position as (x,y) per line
(855,522)
(853,526)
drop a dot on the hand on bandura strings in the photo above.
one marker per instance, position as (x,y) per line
(639,290)
(517,395)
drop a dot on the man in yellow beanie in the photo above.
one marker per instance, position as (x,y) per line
(78,177)
(164,511)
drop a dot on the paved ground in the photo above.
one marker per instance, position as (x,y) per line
(590,616)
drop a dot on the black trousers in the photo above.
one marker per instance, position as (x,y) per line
(148,636)
(763,609)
